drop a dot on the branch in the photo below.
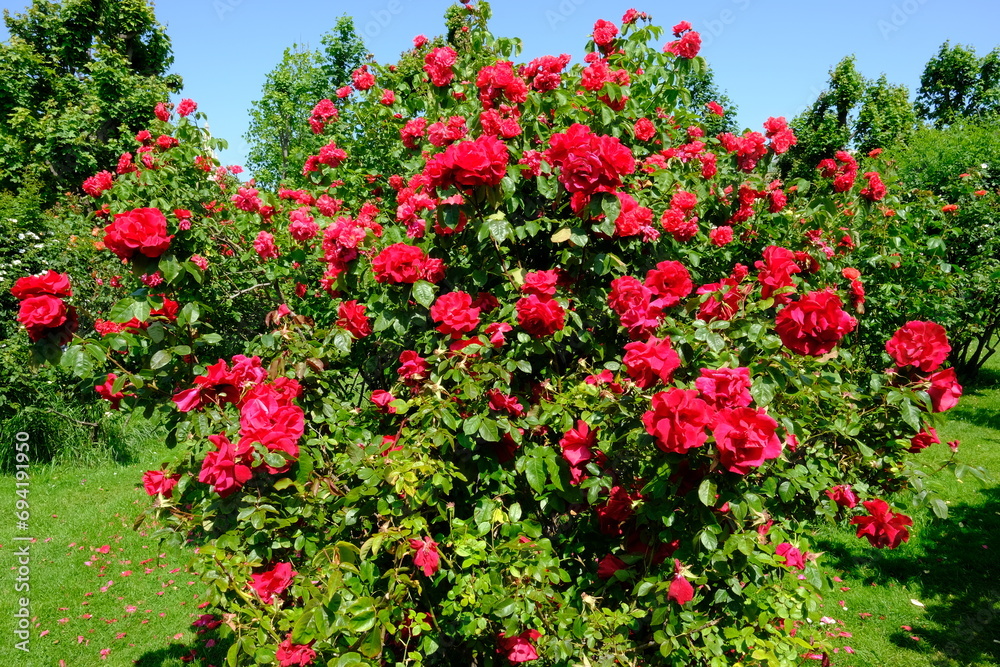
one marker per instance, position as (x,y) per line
(249,289)
(77,421)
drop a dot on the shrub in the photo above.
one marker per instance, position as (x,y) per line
(535,371)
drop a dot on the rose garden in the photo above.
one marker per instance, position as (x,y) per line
(530,364)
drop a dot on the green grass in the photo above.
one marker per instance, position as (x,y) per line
(951,566)
(138,600)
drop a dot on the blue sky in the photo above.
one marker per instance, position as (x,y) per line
(772,57)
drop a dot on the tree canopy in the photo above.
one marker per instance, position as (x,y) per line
(77,79)
(957,83)
(279,135)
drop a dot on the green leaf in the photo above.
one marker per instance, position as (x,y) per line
(160,359)
(499,228)
(709,540)
(762,391)
(562,235)
(910,414)
(706,492)
(505,608)
(77,361)
(170,267)
(189,313)
(423,293)
(940,508)
(534,470)
(488,430)
(342,342)
(611,206)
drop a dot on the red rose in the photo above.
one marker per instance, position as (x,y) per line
(843,495)
(468,164)
(944,390)
(678,420)
(438,63)
(650,361)
(644,129)
(814,324)
(157,481)
(609,565)
(793,557)
(382,399)
(541,283)
(48,316)
(290,655)
(685,47)
(426,556)
(140,231)
(413,367)
(539,317)
(519,648)
(51,283)
(400,263)
(745,438)
(352,317)
(604,33)
(883,527)
(725,387)
(221,470)
(455,313)
(589,163)
(775,272)
(681,591)
(272,582)
(106,391)
(923,440)
(921,344)
(578,443)
(670,282)
(98,183)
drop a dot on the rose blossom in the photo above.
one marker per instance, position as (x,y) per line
(650,361)
(920,344)
(843,495)
(745,438)
(725,387)
(883,527)
(455,314)
(139,231)
(678,420)
(793,557)
(944,390)
(539,317)
(814,324)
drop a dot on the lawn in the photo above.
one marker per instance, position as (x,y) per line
(103,593)
(935,601)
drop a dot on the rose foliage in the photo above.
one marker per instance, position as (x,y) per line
(535,371)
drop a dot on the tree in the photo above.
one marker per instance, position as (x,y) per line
(957,83)
(77,80)
(824,127)
(279,134)
(852,112)
(886,116)
(704,90)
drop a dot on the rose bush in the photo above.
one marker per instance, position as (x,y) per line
(488,411)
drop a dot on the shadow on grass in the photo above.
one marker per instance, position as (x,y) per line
(958,575)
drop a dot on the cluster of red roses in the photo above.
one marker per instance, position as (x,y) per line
(42,311)
(268,416)
(919,349)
